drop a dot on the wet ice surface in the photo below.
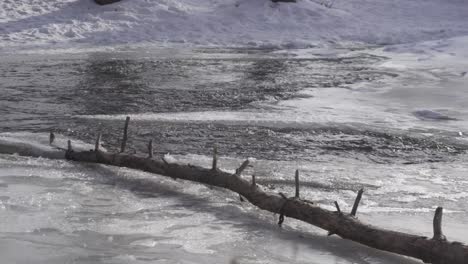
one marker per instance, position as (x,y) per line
(331,117)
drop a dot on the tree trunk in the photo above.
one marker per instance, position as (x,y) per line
(437,251)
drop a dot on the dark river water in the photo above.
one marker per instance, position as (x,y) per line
(48,93)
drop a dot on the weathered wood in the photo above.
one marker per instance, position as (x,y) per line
(215,159)
(51,138)
(69,146)
(337,207)
(437,223)
(242,167)
(330,233)
(98,142)
(356,202)
(345,226)
(150,149)
(125,135)
(296,180)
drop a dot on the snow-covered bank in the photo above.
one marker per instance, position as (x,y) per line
(81,23)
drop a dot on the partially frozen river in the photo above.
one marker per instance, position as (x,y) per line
(346,119)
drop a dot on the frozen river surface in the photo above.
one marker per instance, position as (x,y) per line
(346,119)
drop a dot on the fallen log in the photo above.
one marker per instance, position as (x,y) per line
(436,250)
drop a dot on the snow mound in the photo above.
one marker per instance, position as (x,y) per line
(260,23)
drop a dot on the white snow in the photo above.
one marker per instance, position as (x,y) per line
(169,158)
(261,23)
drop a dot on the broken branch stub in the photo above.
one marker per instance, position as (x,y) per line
(356,202)
(150,149)
(337,207)
(215,158)
(69,146)
(281,211)
(125,135)
(98,142)
(437,224)
(51,138)
(242,168)
(296,180)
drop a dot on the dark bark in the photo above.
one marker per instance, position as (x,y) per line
(125,135)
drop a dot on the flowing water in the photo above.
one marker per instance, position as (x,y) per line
(339,118)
